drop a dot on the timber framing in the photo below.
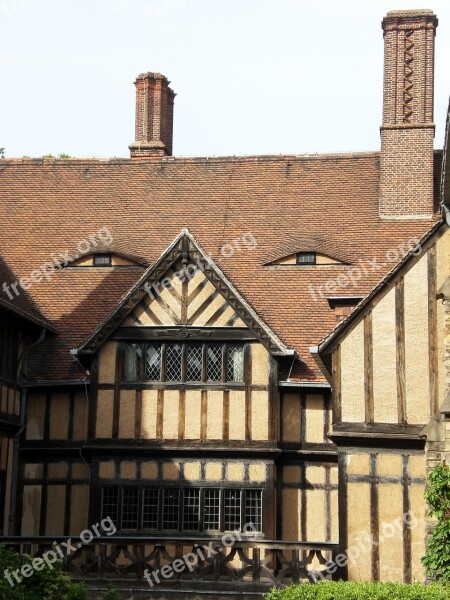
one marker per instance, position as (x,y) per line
(185,247)
(331,341)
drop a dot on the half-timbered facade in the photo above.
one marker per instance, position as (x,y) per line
(167,370)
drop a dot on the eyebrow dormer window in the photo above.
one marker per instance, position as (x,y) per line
(306,258)
(102,260)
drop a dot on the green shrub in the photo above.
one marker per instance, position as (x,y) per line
(76,591)
(46,584)
(437,494)
(348,590)
(111,594)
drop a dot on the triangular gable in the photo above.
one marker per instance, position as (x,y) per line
(187,298)
(184,288)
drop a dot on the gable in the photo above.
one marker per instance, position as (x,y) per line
(192,300)
(184,287)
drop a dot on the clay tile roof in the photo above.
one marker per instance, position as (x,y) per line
(22,304)
(47,207)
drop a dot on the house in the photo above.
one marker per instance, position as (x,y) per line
(182,356)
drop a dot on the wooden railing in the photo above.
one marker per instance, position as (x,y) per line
(136,562)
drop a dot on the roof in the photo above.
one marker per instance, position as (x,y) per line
(339,331)
(22,304)
(184,246)
(326,344)
(241,210)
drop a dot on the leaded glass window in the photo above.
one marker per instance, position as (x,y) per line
(214,362)
(194,353)
(235,362)
(153,362)
(133,361)
(173,362)
(184,362)
(181,509)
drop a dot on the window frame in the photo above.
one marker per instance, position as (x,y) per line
(162,490)
(102,255)
(306,263)
(163,346)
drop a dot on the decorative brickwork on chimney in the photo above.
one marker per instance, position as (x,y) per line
(407,132)
(154,116)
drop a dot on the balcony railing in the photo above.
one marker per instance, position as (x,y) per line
(203,564)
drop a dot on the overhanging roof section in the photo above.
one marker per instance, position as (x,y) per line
(20,303)
(186,247)
(327,343)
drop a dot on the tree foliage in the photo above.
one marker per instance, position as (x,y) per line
(437,494)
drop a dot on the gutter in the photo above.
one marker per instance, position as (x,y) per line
(314,351)
(16,438)
(305,384)
(52,382)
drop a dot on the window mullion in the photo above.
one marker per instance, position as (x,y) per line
(201,510)
(139,509)
(163,362)
(221,510)
(183,361)
(181,510)
(119,526)
(159,509)
(224,363)
(204,354)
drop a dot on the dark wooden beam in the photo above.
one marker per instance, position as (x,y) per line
(400,350)
(368,369)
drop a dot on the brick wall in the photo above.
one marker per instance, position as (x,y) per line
(407,132)
(154,116)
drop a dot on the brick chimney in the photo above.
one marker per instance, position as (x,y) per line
(154,116)
(407,132)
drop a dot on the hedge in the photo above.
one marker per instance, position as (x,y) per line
(343,590)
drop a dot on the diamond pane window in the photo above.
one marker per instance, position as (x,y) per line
(214,362)
(232,510)
(194,362)
(150,502)
(153,362)
(170,509)
(191,507)
(110,504)
(133,360)
(253,508)
(211,510)
(130,503)
(235,362)
(173,362)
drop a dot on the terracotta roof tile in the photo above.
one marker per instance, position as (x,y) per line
(47,207)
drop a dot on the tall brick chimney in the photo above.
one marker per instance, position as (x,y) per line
(154,116)
(407,132)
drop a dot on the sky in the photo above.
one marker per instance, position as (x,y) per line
(251,76)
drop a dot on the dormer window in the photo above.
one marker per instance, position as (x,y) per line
(102,260)
(306,258)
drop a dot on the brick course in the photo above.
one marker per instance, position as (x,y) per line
(407,132)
